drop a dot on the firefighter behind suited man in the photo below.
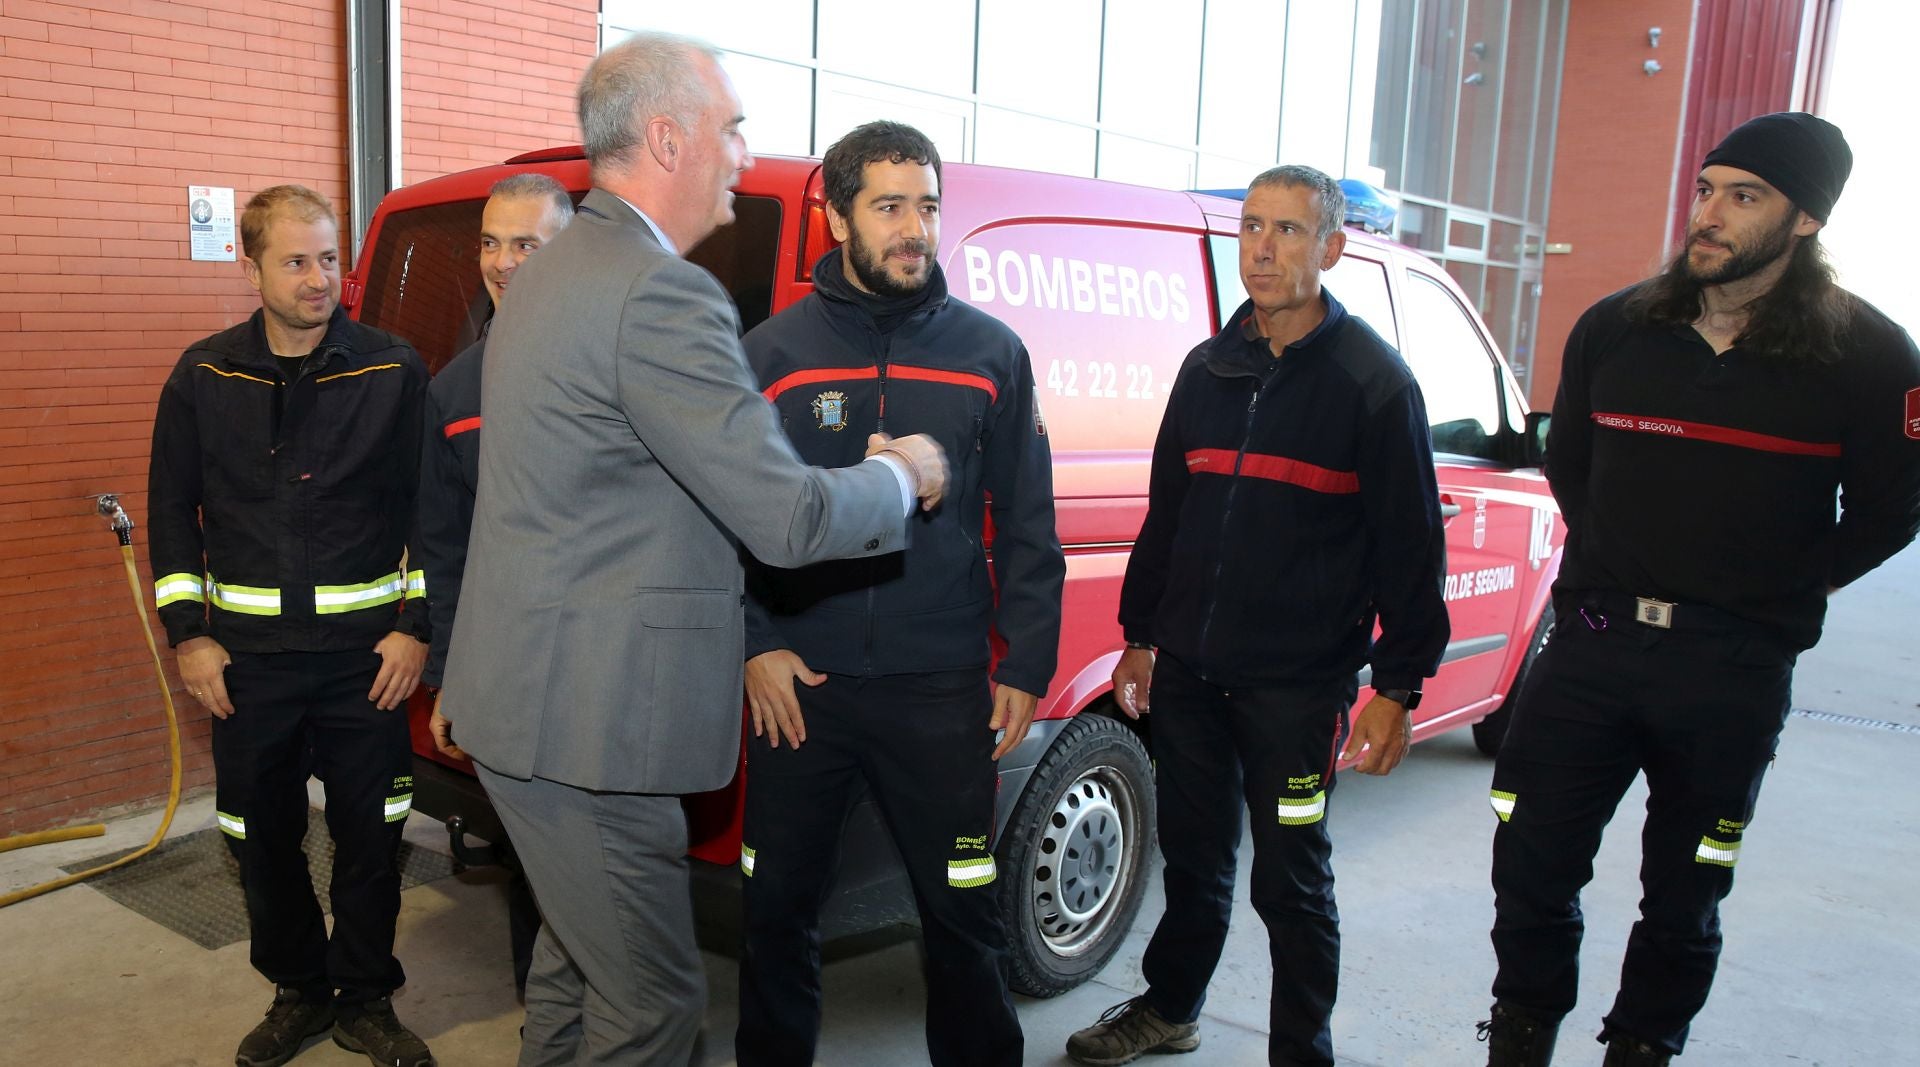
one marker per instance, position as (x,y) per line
(522,213)
(1730,396)
(850,677)
(280,496)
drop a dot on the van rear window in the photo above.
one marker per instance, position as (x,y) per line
(1359,284)
(743,255)
(423,280)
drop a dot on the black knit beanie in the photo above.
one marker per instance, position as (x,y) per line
(1799,154)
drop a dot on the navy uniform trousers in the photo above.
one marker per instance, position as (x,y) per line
(1271,748)
(298,714)
(921,743)
(1698,708)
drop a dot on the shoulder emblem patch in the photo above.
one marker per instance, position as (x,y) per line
(830,410)
(1913,414)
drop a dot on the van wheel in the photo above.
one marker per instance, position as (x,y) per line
(1075,856)
(1489,733)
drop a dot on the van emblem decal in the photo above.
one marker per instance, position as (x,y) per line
(830,410)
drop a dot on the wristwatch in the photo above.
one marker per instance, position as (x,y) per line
(1143,646)
(1406,698)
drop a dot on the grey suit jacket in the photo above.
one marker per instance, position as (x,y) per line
(626,457)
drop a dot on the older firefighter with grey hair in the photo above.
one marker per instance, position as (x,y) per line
(1292,503)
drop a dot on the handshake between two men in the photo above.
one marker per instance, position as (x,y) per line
(923,459)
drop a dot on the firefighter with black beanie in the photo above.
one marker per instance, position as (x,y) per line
(1705,420)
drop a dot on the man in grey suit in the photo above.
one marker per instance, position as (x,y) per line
(595,671)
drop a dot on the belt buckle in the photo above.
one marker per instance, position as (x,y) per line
(1653,612)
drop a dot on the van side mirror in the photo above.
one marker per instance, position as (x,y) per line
(1534,448)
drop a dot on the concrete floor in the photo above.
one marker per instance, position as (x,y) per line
(1823,941)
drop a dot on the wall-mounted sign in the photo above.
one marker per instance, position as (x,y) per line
(210,223)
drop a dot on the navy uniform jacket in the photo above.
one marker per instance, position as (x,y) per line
(449,474)
(1702,479)
(954,372)
(1292,502)
(278,508)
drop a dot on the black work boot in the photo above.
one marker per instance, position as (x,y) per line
(1624,1051)
(372,1030)
(1516,1039)
(291,1020)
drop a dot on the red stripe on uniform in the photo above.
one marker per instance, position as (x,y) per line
(812,377)
(1274,468)
(896,371)
(1722,435)
(949,377)
(454,429)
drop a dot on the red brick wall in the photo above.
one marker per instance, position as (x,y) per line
(1613,166)
(483,80)
(108,110)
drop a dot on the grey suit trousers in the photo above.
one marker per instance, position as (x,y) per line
(617,978)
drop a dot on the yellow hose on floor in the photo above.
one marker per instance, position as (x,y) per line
(122,526)
(48,837)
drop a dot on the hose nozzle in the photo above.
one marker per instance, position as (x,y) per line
(108,505)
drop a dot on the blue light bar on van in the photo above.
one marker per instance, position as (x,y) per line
(1369,207)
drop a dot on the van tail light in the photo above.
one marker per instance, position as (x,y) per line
(816,234)
(816,237)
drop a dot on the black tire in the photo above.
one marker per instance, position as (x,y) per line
(1074,859)
(1489,733)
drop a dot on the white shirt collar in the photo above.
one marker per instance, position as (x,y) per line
(651,225)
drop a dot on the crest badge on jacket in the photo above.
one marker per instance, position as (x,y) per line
(830,410)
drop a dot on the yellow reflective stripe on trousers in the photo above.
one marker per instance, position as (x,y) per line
(397,807)
(170,588)
(244,599)
(338,599)
(416,584)
(1720,853)
(964,874)
(1502,803)
(231,825)
(1303,811)
(746,861)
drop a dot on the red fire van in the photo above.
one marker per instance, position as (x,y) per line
(1109,285)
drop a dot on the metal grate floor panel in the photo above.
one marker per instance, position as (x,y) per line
(191,884)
